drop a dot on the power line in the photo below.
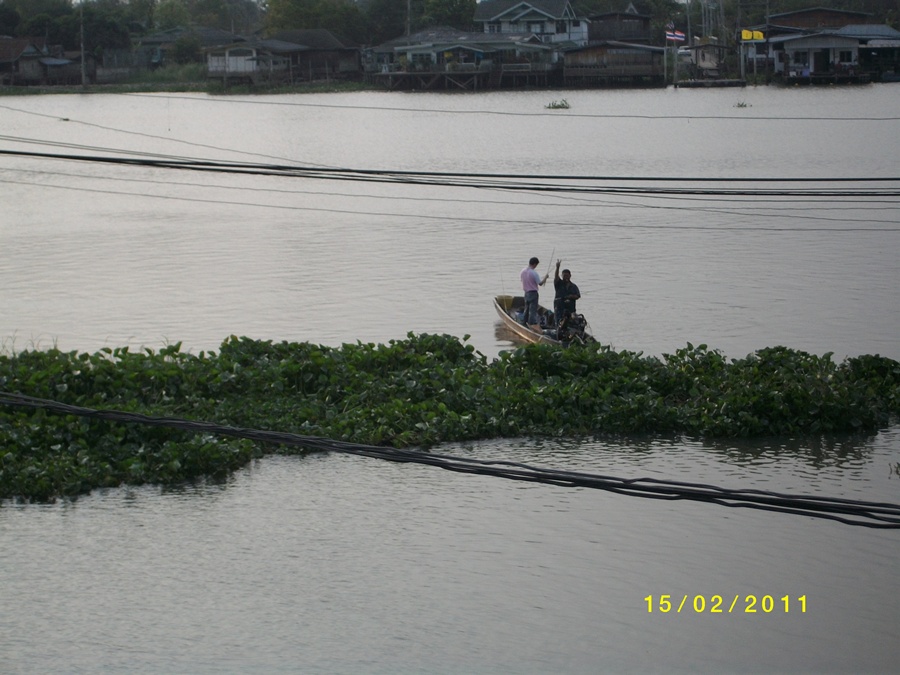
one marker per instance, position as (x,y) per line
(140,134)
(757,205)
(506,181)
(492,221)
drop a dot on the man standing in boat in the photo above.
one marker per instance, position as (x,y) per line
(531,281)
(566,295)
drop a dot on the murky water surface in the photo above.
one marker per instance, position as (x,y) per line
(337,564)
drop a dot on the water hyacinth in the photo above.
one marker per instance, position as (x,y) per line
(420,391)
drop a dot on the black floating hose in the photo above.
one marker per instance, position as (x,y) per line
(848,511)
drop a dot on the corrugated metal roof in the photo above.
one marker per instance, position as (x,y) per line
(618,44)
(314,38)
(487,10)
(818,38)
(207,36)
(12,49)
(869,31)
(277,46)
(814,10)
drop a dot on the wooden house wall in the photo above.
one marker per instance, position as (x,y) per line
(327,64)
(820,18)
(628,29)
(612,61)
(820,53)
(29,71)
(238,61)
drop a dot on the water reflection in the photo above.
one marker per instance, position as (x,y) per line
(818,463)
(338,564)
(824,451)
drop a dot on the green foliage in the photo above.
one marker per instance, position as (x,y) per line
(174,74)
(31,8)
(420,391)
(456,13)
(385,20)
(62,26)
(171,14)
(187,49)
(343,17)
(9,19)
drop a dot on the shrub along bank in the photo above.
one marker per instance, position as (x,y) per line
(420,391)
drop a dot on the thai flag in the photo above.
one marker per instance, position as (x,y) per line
(672,34)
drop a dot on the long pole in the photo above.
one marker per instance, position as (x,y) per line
(689,41)
(83,68)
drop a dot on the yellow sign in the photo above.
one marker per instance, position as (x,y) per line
(752,35)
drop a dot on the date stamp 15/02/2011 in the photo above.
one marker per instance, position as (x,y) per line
(725,604)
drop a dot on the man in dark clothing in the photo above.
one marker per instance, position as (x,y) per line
(566,294)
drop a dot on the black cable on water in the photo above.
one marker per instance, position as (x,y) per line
(848,511)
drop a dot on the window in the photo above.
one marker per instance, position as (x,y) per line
(846,57)
(561,27)
(494,28)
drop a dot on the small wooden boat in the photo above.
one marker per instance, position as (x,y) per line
(511,307)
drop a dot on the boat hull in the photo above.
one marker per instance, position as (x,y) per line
(508,307)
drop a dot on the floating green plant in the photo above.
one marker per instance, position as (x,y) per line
(419,391)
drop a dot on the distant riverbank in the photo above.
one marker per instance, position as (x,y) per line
(188,86)
(189,78)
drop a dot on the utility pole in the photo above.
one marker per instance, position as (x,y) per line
(690,42)
(83,67)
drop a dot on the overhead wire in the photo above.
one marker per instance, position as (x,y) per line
(574,186)
(812,205)
(142,134)
(500,220)
(507,181)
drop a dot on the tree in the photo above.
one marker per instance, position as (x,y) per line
(171,14)
(143,12)
(456,13)
(9,19)
(28,9)
(385,20)
(104,31)
(343,17)
(41,25)
(187,49)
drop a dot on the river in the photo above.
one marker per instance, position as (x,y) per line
(337,564)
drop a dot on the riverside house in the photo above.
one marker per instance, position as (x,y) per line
(551,21)
(821,45)
(287,57)
(253,62)
(20,60)
(326,56)
(611,62)
(445,58)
